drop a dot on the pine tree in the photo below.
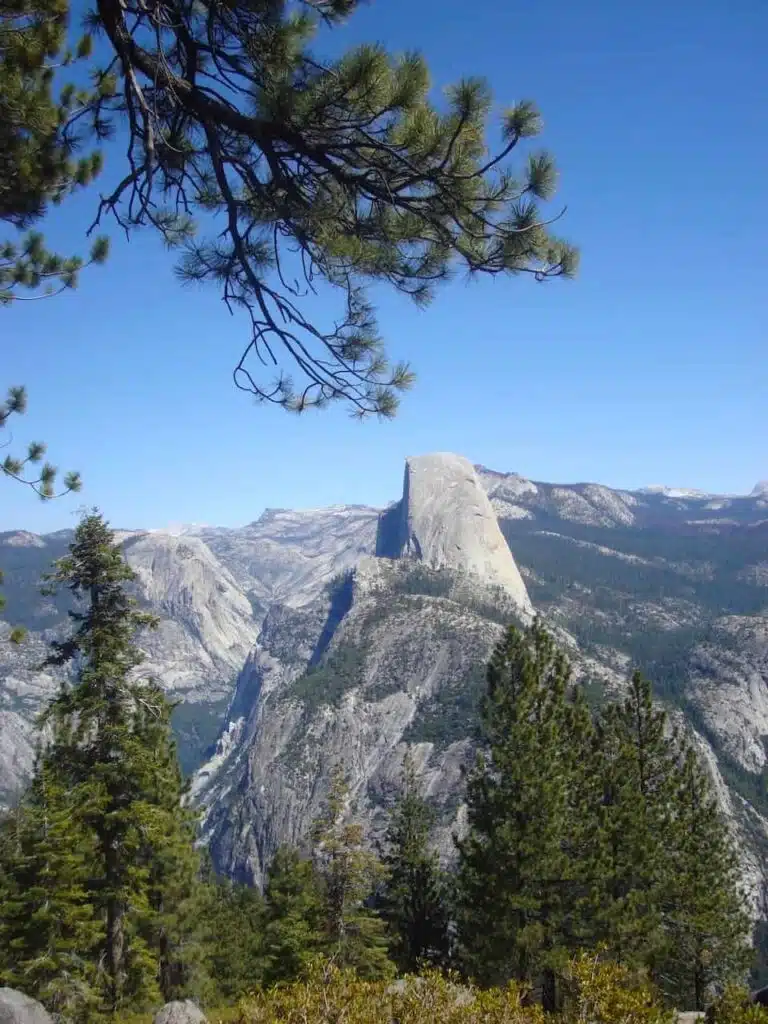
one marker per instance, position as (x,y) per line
(173,863)
(294,923)
(706,924)
(49,936)
(336,171)
(637,763)
(233,918)
(513,865)
(38,143)
(354,934)
(582,840)
(111,753)
(415,899)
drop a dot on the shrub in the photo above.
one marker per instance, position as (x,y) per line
(602,992)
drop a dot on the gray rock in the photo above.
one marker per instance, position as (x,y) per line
(16,1008)
(180,1012)
(446,521)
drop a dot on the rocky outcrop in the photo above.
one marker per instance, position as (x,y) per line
(287,557)
(17,754)
(445,520)
(16,1008)
(728,685)
(207,626)
(398,657)
(180,1011)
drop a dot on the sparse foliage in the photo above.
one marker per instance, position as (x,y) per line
(30,469)
(277,175)
(354,934)
(38,145)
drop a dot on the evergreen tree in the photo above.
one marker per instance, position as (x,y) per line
(295,916)
(513,866)
(415,899)
(582,836)
(335,171)
(111,753)
(38,143)
(354,935)
(233,920)
(173,863)
(706,923)
(49,936)
(636,763)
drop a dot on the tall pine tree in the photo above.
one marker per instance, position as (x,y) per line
(636,763)
(49,935)
(415,901)
(704,909)
(513,864)
(111,755)
(355,935)
(295,916)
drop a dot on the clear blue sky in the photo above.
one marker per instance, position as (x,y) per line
(652,367)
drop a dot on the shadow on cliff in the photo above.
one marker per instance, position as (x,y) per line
(341,592)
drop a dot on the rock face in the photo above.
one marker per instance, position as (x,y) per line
(728,685)
(399,669)
(207,624)
(445,520)
(180,1012)
(16,1008)
(287,557)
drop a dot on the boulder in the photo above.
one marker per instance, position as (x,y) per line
(182,1011)
(16,1008)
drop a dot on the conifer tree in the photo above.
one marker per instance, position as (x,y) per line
(415,901)
(232,917)
(111,753)
(295,916)
(354,934)
(338,173)
(173,928)
(706,924)
(513,865)
(637,764)
(582,837)
(38,146)
(49,936)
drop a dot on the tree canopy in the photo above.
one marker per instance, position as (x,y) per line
(39,164)
(277,174)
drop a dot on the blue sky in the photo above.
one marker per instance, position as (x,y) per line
(650,368)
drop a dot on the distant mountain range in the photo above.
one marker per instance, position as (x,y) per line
(353,633)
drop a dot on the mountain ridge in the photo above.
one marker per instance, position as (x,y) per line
(298,628)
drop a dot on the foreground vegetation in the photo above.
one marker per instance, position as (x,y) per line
(597,991)
(587,830)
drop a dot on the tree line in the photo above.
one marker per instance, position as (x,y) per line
(585,831)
